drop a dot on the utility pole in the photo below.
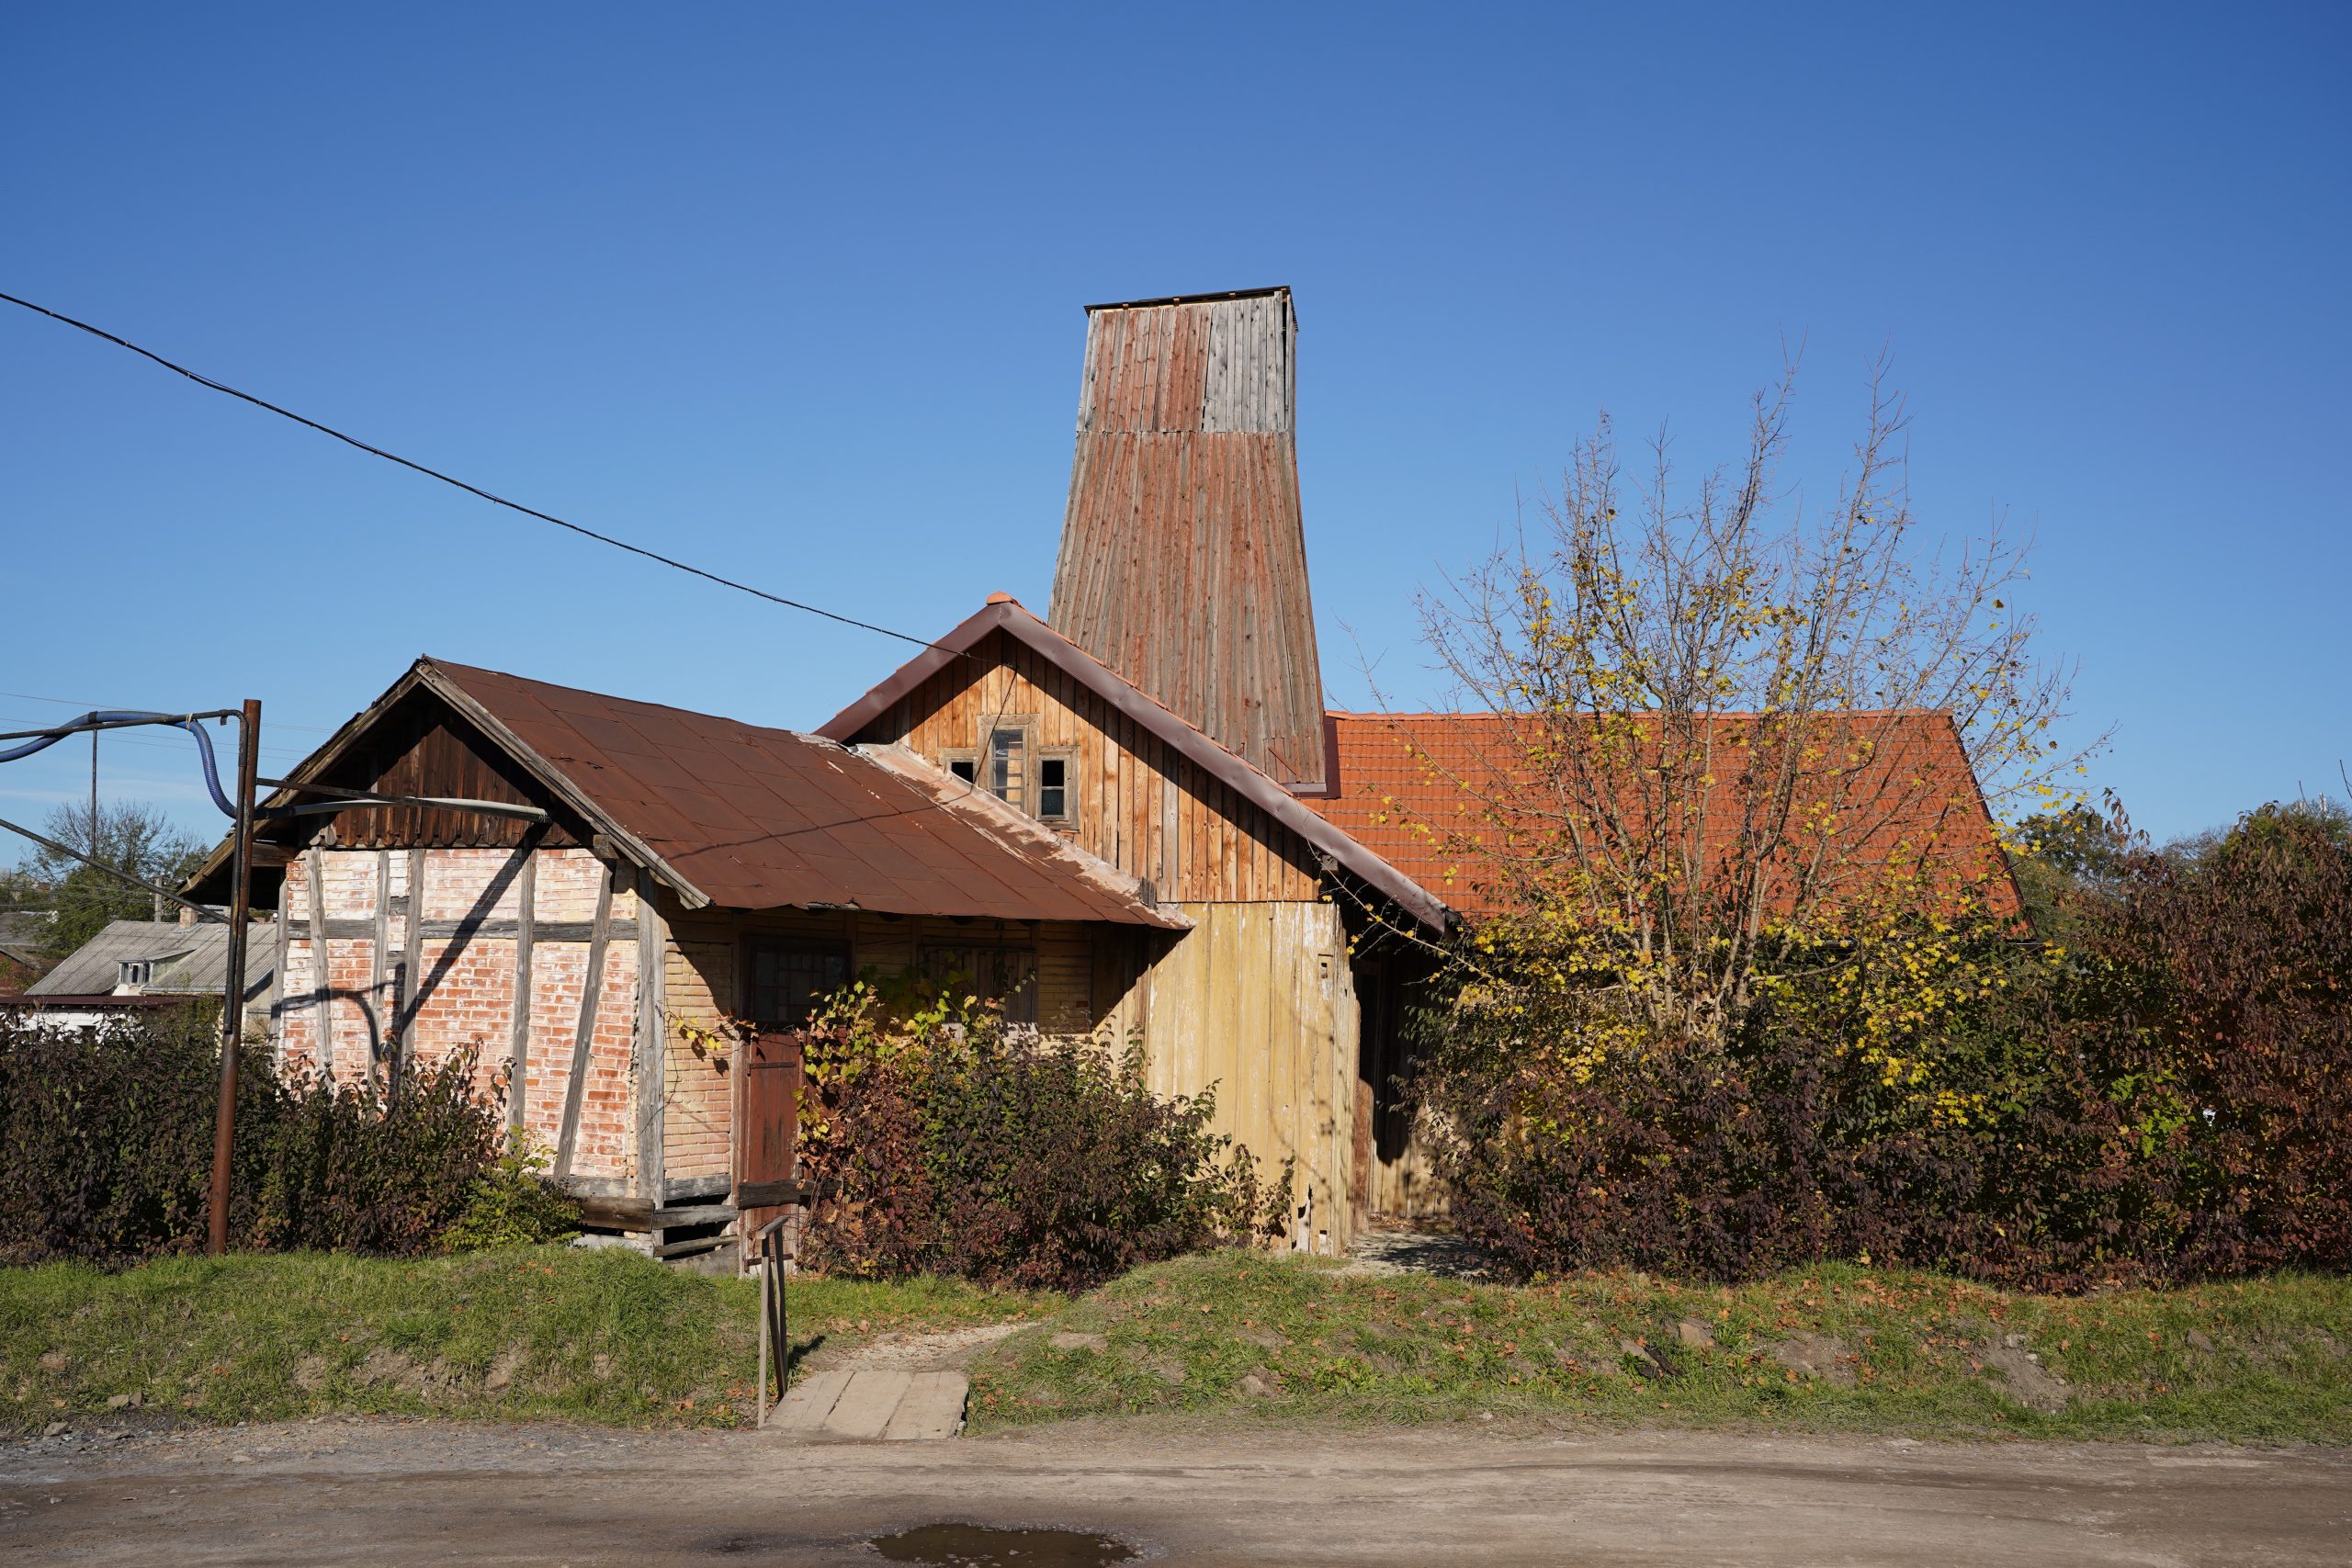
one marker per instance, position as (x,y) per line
(233,1012)
(96,852)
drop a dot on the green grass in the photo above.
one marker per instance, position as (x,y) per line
(605,1336)
(1252,1337)
(611,1338)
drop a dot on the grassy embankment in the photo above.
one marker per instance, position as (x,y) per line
(535,1333)
(612,1339)
(1834,1348)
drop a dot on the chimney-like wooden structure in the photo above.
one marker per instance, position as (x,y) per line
(1183,559)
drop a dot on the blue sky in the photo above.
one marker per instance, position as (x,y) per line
(795,292)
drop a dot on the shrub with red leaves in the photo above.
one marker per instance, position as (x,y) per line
(2248,945)
(973,1148)
(2168,1097)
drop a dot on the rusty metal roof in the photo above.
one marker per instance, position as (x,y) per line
(744,816)
(757,818)
(1184,556)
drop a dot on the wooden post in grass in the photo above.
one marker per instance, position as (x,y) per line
(232,1009)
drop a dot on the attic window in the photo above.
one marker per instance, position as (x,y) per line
(965,768)
(135,973)
(1008,767)
(1053,792)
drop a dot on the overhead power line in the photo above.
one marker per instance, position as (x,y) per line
(87,703)
(203,381)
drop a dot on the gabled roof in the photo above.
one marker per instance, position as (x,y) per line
(1414,787)
(1004,614)
(745,817)
(189,960)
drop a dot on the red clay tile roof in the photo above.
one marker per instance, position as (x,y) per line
(1394,771)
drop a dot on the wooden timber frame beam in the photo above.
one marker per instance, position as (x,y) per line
(345,799)
(518,1048)
(411,1000)
(652,1046)
(321,972)
(592,987)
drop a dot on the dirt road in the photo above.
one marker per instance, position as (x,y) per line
(376,1492)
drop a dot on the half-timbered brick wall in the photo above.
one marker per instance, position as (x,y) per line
(465,970)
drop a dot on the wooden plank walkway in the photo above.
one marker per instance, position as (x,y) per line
(885,1402)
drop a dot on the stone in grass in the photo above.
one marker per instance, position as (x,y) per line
(1694,1334)
(1815,1355)
(1073,1340)
(1640,1359)
(2197,1341)
(124,1401)
(53,1361)
(54,1429)
(1255,1386)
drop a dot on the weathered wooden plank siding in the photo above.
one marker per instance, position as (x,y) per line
(1140,806)
(1407,1187)
(1257,1001)
(1183,559)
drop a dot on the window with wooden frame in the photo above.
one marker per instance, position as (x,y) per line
(1057,788)
(1009,765)
(786,977)
(1004,764)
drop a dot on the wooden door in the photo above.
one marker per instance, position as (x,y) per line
(767,1126)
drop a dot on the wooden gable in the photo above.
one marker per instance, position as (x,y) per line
(418,747)
(1137,802)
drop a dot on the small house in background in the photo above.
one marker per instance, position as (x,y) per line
(138,966)
(1136,815)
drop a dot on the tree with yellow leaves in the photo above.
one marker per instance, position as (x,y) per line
(1731,730)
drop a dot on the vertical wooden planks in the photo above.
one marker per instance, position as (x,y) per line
(1182,558)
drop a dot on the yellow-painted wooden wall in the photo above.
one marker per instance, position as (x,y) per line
(1259,997)
(1257,1001)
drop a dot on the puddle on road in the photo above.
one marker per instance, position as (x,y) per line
(977,1546)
